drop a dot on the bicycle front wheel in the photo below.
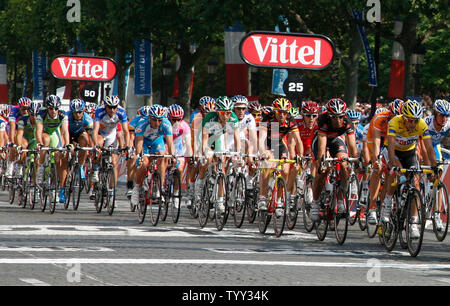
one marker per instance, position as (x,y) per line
(221,208)
(239,204)
(53,187)
(440,212)
(279,217)
(155,197)
(142,205)
(340,215)
(175,196)
(416,224)
(110,185)
(389,230)
(306,201)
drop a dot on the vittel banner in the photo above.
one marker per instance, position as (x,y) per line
(287,50)
(80,68)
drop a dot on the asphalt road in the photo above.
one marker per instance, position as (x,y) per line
(83,248)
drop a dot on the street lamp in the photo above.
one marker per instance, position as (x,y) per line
(417,59)
(212,70)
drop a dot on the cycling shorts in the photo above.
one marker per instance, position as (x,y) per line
(155,145)
(407,159)
(334,146)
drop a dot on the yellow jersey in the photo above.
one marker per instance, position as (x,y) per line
(406,140)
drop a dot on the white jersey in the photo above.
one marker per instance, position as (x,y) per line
(436,137)
(247,123)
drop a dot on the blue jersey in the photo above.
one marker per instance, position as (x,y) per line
(154,138)
(78,126)
(136,120)
(436,137)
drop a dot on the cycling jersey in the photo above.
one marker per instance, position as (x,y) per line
(379,123)
(216,131)
(325,127)
(181,129)
(51,125)
(306,134)
(154,138)
(15,114)
(79,126)
(3,124)
(404,139)
(436,137)
(277,132)
(246,124)
(28,129)
(108,124)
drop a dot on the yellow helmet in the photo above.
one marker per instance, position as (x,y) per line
(282,104)
(412,109)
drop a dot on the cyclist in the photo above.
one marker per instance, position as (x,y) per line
(402,137)
(21,109)
(333,124)
(52,130)
(215,126)
(142,114)
(279,138)
(152,135)
(247,133)
(255,109)
(181,135)
(376,135)
(26,128)
(439,127)
(80,127)
(307,124)
(104,134)
(4,126)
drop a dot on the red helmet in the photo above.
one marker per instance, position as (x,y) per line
(336,106)
(310,107)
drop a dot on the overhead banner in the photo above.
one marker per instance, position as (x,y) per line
(39,71)
(142,67)
(370,59)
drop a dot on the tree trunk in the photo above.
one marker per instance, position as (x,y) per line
(408,39)
(351,67)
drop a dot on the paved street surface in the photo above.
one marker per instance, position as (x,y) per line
(85,248)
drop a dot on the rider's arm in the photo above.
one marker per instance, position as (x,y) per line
(19,136)
(170,145)
(262,139)
(376,145)
(205,137)
(429,150)
(187,142)
(321,145)
(126,133)
(391,149)
(65,133)
(237,140)
(39,130)
(139,144)
(351,142)
(95,132)
(298,143)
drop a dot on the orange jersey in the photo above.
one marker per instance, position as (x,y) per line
(380,123)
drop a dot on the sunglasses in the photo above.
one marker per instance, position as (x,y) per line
(156,119)
(311,115)
(53,108)
(224,113)
(176,120)
(240,108)
(111,107)
(337,116)
(280,112)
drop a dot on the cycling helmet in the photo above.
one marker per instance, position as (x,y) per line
(35,107)
(442,106)
(205,99)
(353,115)
(24,102)
(144,111)
(223,103)
(53,101)
(396,106)
(176,112)
(157,111)
(412,109)
(380,110)
(77,105)
(239,99)
(310,107)
(254,107)
(5,110)
(282,104)
(91,107)
(336,106)
(294,112)
(112,101)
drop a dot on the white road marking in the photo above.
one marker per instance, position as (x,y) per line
(4,248)
(34,282)
(150,261)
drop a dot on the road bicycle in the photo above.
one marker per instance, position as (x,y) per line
(333,201)
(30,186)
(436,203)
(276,207)
(50,184)
(105,188)
(406,201)
(172,193)
(236,188)
(74,181)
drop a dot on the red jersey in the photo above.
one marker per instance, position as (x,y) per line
(306,134)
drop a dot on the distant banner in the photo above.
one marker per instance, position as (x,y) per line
(142,68)
(278,78)
(39,71)
(370,60)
